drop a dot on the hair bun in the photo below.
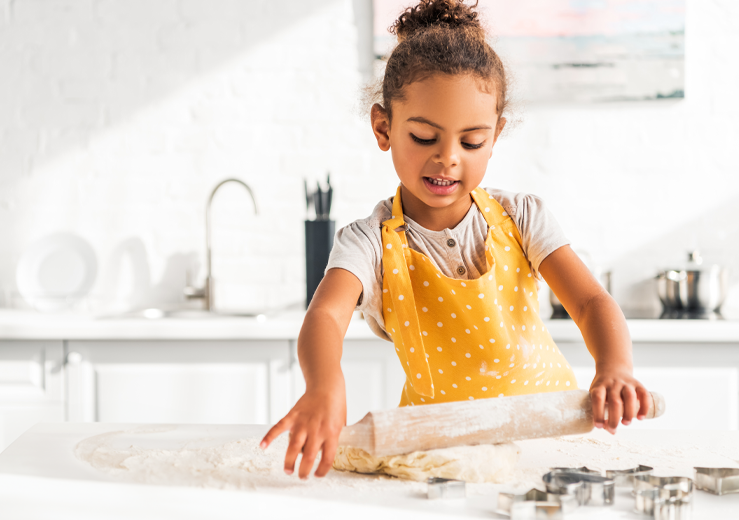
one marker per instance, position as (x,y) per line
(430,13)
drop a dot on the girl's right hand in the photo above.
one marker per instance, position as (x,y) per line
(314,423)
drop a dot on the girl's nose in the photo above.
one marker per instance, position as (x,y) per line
(447,155)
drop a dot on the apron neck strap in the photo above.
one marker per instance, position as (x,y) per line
(493,212)
(397,220)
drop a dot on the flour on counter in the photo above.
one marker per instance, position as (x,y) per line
(230,458)
(132,456)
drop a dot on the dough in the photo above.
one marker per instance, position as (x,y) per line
(484,463)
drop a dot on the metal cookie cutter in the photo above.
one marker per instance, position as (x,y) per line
(581,469)
(446,488)
(535,504)
(665,498)
(719,481)
(586,485)
(625,477)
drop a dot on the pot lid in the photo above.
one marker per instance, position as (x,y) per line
(694,263)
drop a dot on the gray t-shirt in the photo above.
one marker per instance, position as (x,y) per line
(358,246)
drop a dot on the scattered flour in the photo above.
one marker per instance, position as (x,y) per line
(206,457)
(132,456)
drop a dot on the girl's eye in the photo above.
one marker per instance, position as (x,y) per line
(423,141)
(427,142)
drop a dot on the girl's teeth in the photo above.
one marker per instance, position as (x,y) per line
(441,183)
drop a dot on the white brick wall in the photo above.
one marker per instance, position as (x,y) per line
(117,118)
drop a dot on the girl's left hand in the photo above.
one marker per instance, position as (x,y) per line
(615,389)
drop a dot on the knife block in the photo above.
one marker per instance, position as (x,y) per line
(319,239)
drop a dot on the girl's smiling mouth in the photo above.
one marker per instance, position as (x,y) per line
(440,185)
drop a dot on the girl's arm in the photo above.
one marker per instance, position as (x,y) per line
(606,335)
(316,420)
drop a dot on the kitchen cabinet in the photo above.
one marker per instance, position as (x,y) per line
(31,386)
(258,381)
(178,381)
(246,371)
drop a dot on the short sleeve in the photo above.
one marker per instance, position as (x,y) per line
(358,249)
(540,232)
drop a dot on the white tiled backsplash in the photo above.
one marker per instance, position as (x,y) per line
(117,117)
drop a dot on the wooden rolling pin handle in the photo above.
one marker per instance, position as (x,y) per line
(658,406)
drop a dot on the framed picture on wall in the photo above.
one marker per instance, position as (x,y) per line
(562,51)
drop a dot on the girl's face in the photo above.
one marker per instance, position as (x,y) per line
(441,137)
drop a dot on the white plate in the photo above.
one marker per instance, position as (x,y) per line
(56,271)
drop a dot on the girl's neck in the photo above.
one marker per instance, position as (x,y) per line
(434,219)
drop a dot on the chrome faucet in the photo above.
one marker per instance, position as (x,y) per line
(205,293)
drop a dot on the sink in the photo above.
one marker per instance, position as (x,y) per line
(183,314)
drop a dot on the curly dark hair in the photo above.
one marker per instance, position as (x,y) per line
(441,37)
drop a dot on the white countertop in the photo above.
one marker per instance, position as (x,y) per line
(25,325)
(41,478)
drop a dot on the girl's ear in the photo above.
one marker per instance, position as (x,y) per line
(381,126)
(499,127)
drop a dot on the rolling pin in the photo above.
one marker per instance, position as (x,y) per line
(483,421)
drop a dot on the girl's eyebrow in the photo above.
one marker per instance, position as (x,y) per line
(419,119)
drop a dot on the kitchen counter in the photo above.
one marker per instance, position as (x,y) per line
(41,477)
(24,325)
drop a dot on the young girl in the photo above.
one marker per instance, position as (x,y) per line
(445,269)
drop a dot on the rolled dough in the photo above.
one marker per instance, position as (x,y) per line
(484,463)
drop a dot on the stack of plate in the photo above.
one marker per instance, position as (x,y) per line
(56,271)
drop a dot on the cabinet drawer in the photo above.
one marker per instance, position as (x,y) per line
(178,381)
(31,371)
(31,386)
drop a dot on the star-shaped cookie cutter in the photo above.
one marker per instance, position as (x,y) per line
(535,504)
(663,497)
(586,485)
(719,481)
(625,477)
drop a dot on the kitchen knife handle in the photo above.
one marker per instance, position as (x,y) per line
(318,201)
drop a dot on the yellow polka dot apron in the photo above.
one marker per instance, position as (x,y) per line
(468,339)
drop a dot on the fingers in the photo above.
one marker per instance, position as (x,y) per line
(615,408)
(327,457)
(309,439)
(598,400)
(275,431)
(310,451)
(645,402)
(623,397)
(297,441)
(631,404)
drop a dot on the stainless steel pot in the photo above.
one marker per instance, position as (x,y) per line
(558,310)
(695,287)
